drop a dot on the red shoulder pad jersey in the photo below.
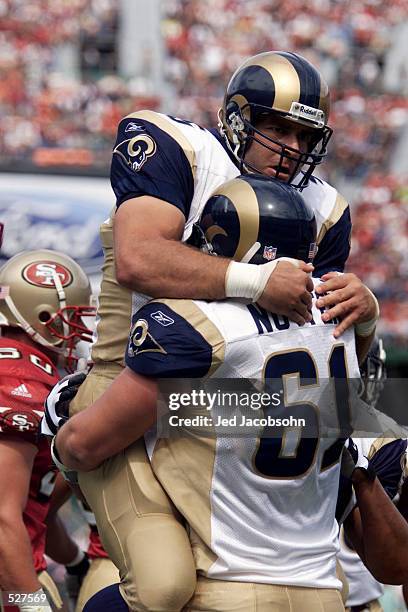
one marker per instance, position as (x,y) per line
(26,377)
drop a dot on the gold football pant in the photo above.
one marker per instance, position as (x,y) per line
(136,520)
(222,596)
(101,573)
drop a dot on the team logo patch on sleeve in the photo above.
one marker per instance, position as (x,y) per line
(141,341)
(136,151)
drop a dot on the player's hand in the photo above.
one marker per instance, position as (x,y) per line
(287,291)
(354,464)
(56,405)
(348,299)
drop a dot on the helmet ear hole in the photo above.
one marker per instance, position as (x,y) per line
(44,316)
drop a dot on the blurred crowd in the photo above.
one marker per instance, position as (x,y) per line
(46,116)
(380,240)
(59,90)
(352,44)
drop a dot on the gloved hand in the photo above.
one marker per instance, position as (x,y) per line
(56,405)
(352,459)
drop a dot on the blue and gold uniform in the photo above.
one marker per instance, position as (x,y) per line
(180,163)
(235,491)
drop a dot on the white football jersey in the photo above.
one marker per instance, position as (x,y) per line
(259,508)
(182,163)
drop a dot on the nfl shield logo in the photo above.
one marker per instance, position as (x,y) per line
(269,253)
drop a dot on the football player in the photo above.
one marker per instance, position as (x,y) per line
(235,492)
(274,119)
(43,297)
(388,456)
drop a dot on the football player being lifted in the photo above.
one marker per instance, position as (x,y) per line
(260,508)
(274,119)
(43,297)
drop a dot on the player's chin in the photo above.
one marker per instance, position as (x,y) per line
(276,172)
(282,174)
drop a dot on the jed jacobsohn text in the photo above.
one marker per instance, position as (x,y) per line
(234,421)
(204,399)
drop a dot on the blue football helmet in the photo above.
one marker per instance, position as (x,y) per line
(256,219)
(285,85)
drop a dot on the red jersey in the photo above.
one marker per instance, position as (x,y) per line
(95,548)
(26,378)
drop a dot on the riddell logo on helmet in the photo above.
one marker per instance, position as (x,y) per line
(42,274)
(307,112)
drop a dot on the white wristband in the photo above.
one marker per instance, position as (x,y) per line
(244,280)
(55,457)
(366,328)
(35,602)
(71,476)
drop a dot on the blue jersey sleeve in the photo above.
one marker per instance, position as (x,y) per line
(164,344)
(334,248)
(147,160)
(388,463)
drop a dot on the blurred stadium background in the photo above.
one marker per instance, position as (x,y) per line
(70,69)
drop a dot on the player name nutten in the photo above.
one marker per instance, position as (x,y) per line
(235,421)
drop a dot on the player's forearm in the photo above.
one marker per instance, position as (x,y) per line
(170,268)
(382,532)
(17,571)
(120,416)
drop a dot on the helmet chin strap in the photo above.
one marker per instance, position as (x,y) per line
(251,252)
(30,330)
(27,327)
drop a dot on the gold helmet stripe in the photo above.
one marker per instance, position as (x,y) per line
(245,202)
(165,124)
(284,76)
